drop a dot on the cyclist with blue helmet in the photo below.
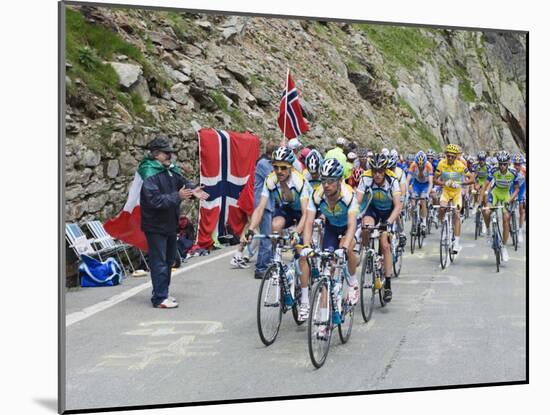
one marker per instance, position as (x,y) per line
(420,181)
(519,166)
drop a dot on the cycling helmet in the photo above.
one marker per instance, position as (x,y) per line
(410,158)
(503,156)
(471,159)
(356,174)
(441,156)
(392,161)
(385,152)
(379,161)
(453,149)
(481,156)
(420,158)
(430,153)
(332,169)
(362,152)
(314,161)
(518,159)
(283,154)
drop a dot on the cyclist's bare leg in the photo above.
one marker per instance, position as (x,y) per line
(424,209)
(505,226)
(386,251)
(365,234)
(352,258)
(457,223)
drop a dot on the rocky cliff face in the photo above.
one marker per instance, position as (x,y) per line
(133,73)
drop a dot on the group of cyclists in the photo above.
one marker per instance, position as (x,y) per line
(352,189)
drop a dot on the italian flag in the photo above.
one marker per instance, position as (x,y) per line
(126,226)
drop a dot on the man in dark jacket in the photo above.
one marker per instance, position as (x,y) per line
(162,191)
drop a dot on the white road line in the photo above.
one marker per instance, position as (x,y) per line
(103,305)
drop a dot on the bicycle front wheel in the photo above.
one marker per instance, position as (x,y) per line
(367,288)
(398,261)
(269,307)
(514,230)
(344,328)
(444,245)
(319,328)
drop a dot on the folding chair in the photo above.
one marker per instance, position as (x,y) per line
(80,243)
(106,241)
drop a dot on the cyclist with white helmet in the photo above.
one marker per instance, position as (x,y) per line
(290,193)
(337,204)
(381,187)
(312,172)
(420,180)
(500,181)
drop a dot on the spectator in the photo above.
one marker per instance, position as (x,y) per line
(296,146)
(263,168)
(162,191)
(339,153)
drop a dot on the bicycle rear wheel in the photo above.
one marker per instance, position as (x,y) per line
(318,345)
(414,233)
(344,328)
(443,245)
(269,307)
(367,288)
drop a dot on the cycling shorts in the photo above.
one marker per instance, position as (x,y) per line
(456,197)
(420,189)
(498,197)
(521,194)
(332,235)
(292,217)
(378,215)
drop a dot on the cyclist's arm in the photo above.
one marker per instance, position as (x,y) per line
(258,213)
(350,232)
(396,208)
(469,178)
(303,206)
(515,193)
(359,195)
(308,226)
(437,181)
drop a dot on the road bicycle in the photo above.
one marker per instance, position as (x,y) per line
(329,306)
(279,292)
(372,272)
(496,241)
(446,242)
(417,234)
(432,220)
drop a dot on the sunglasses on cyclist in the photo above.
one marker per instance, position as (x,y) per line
(502,164)
(378,171)
(329,180)
(280,168)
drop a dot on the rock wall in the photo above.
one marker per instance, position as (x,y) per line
(132,73)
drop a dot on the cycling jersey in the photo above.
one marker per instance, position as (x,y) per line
(481,173)
(338,215)
(434,164)
(314,183)
(400,175)
(380,197)
(455,172)
(414,172)
(299,188)
(500,184)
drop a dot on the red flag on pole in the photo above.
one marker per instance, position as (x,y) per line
(291,121)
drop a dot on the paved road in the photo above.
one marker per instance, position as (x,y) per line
(463,325)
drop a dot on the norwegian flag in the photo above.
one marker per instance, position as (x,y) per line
(227,159)
(291,121)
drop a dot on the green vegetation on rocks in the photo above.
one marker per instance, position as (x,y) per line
(406,46)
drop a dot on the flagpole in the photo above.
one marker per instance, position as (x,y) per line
(286,103)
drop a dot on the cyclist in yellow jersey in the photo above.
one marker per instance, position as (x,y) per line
(451,174)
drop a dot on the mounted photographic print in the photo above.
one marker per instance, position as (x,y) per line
(271,207)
